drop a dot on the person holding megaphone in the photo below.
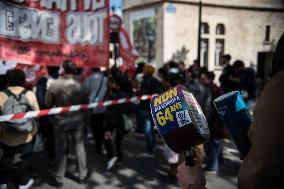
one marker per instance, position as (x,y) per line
(263,165)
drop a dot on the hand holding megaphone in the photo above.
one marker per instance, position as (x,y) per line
(180,121)
(236,117)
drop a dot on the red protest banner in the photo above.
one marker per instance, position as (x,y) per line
(47,32)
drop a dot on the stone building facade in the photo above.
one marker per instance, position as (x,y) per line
(241,28)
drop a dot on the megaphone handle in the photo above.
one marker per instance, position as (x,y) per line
(189,158)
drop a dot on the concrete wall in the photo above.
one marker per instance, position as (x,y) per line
(181,29)
(159,14)
(131,3)
(245,29)
(247,3)
(244,38)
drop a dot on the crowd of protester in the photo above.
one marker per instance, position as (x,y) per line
(71,86)
(262,167)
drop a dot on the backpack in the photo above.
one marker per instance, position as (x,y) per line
(17,104)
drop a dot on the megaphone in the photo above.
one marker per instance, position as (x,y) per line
(236,117)
(180,121)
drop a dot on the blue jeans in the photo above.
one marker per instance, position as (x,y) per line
(213,150)
(146,122)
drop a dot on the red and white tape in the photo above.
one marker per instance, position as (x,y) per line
(59,110)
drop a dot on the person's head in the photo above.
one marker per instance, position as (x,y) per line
(211,76)
(173,64)
(140,67)
(204,78)
(195,63)
(53,71)
(203,69)
(239,65)
(163,73)
(114,84)
(69,67)
(115,72)
(278,58)
(148,70)
(207,77)
(175,76)
(15,77)
(181,66)
(194,72)
(226,58)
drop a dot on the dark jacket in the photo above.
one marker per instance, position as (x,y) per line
(226,84)
(114,118)
(150,85)
(263,167)
(248,83)
(202,95)
(216,127)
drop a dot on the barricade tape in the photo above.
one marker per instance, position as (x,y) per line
(59,110)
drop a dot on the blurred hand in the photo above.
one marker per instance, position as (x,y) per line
(191,177)
(108,135)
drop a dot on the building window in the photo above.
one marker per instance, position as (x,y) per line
(267,33)
(204,52)
(204,28)
(220,29)
(219,51)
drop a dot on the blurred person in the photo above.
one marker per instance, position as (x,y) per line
(170,77)
(136,84)
(67,91)
(175,75)
(86,72)
(97,85)
(199,90)
(136,80)
(263,166)
(163,76)
(115,120)
(226,76)
(45,128)
(181,66)
(139,71)
(233,76)
(248,85)
(188,77)
(53,71)
(13,141)
(266,170)
(243,80)
(203,97)
(237,75)
(225,61)
(195,63)
(149,85)
(214,147)
(3,82)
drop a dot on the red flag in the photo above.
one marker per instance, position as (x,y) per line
(126,51)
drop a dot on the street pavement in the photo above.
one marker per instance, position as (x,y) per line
(136,170)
